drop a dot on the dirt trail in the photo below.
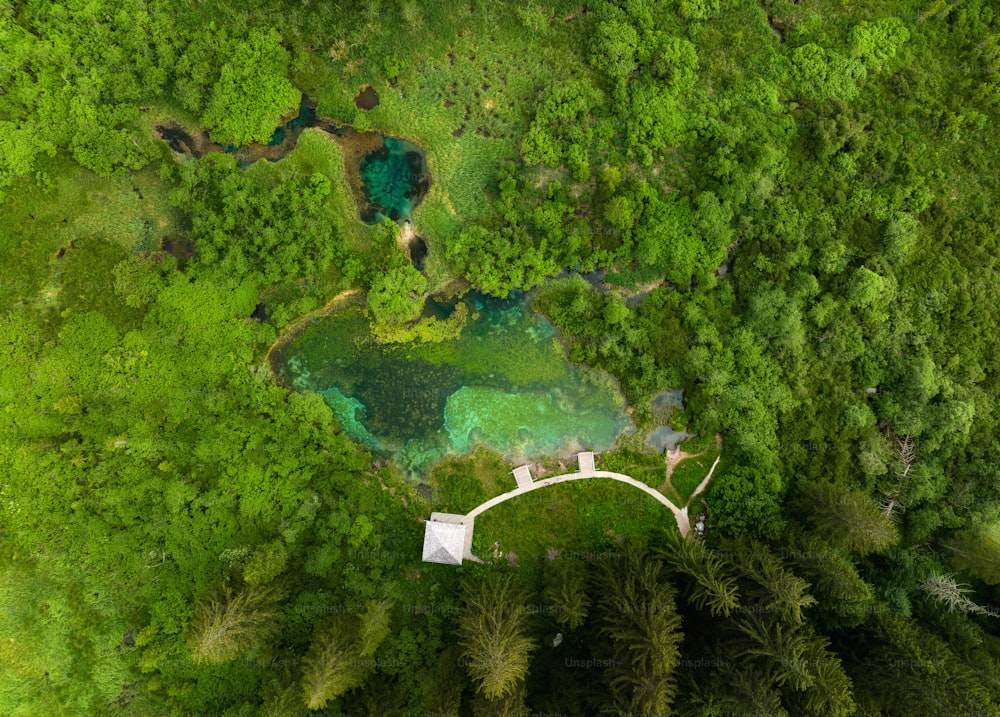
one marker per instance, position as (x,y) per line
(676,455)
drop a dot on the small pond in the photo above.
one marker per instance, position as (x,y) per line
(393,178)
(665,438)
(504,381)
(367,99)
(388,175)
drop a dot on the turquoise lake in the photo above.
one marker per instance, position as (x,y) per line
(504,381)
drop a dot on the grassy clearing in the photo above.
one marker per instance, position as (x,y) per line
(459,83)
(569,516)
(463,482)
(648,468)
(68,205)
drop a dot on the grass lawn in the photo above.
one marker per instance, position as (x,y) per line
(645,466)
(574,516)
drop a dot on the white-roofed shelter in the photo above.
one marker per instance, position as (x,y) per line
(444,542)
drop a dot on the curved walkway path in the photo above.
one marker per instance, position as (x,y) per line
(525,484)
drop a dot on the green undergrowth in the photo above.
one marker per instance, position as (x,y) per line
(87,282)
(64,202)
(317,151)
(462,482)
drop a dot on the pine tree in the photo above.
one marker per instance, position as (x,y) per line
(512,704)
(281,696)
(445,686)
(977,554)
(493,635)
(374,626)
(777,586)
(831,693)
(848,519)
(714,586)
(227,623)
(333,664)
(844,599)
(751,692)
(639,615)
(782,645)
(830,571)
(897,489)
(566,591)
(952,595)
(903,669)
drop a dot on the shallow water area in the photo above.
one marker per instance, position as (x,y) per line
(505,382)
(666,438)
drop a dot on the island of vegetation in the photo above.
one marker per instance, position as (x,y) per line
(282,282)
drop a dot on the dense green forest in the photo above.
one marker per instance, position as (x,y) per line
(792,208)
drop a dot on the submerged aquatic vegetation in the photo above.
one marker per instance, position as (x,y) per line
(489,372)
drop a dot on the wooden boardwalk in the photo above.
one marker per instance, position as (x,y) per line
(525,484)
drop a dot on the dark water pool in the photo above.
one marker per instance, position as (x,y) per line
(367,99)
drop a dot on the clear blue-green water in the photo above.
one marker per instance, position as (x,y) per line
(393,177)
(505,381)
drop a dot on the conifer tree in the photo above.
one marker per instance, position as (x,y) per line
(783,645)
(903,669)
(831,694)
(896,493)
(830,571)
(374,627)
(952,595)
(714,586)
(228,623)
(493,635)
(512,704)
(776,585)
(639,615)
(281,696)
(751,691)
(446,683)
(977,554)
(566,591)
(333,664)
(848,519)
